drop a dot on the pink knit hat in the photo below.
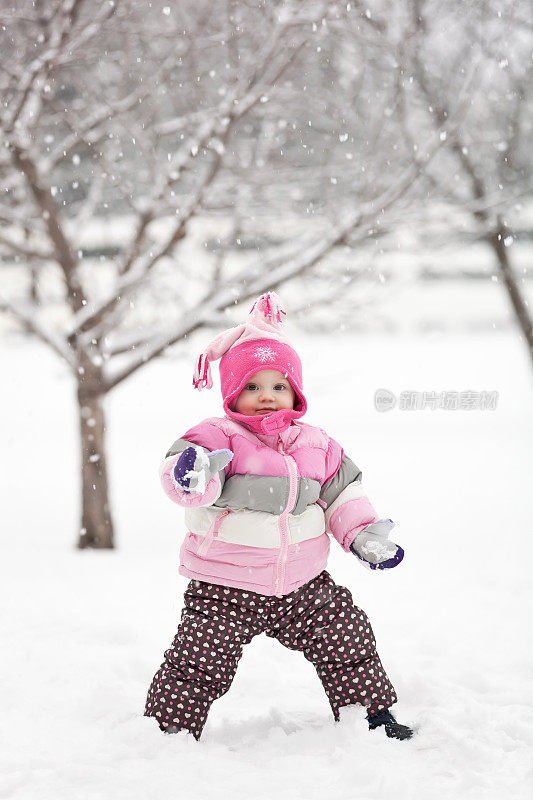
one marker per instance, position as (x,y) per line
(258,344)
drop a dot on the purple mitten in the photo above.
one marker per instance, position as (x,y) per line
(196,467)
(184,465)
(374,548)
(390,562)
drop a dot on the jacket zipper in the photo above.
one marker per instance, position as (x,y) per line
(292,469)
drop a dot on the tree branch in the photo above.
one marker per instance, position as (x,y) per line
(29,319)
(64,254)
(28,252)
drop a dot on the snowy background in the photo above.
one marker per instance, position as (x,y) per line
(162,165)
(84,631)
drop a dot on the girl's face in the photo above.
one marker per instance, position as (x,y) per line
(265,392)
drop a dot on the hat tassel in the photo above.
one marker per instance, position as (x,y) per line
(202,374)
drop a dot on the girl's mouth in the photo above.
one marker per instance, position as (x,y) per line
(265,410)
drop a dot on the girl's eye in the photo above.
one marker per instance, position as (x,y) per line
(252,386)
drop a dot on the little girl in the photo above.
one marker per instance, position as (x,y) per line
(262,492)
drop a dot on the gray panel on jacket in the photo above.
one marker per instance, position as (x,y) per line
(347,473)
(308,493)
(182,444)
(266,493)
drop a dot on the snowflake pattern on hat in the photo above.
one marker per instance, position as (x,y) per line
(265,353)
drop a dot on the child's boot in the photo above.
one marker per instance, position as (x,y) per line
(393,729)
(175,729)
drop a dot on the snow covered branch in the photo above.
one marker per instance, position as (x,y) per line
(62,246)
(182,112)
(23,250)
(29,319)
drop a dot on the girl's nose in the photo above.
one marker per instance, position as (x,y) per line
(265,394)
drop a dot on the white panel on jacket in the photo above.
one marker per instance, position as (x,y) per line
(257,528)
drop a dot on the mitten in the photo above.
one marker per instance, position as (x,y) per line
(195,468)
(373,547)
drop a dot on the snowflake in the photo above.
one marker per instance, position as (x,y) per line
(265,353)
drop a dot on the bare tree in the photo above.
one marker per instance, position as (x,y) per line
(158,115)
(486,167)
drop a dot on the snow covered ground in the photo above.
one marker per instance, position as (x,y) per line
(83,632)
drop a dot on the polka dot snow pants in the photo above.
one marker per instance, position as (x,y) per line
(319,619)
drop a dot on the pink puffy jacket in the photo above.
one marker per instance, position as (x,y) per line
(262,523)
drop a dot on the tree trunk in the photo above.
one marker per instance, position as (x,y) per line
(496,241)
(96,522)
